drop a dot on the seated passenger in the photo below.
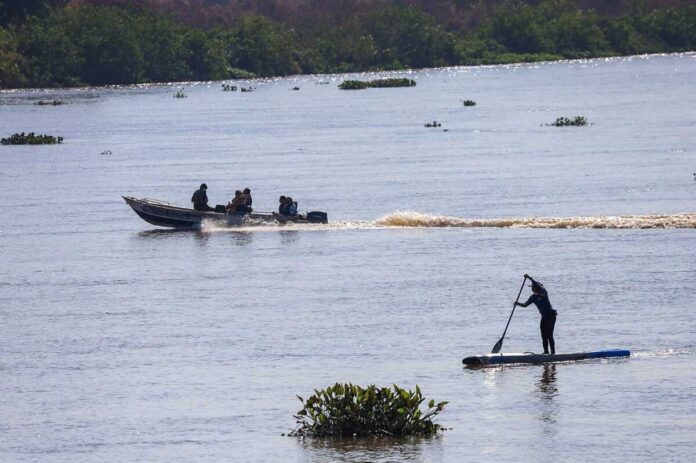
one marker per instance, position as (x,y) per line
(200,199)
(249,200)
(292,206)
(283,205)
(238,205)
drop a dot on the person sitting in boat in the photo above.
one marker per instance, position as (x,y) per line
(540,298)
(200,199)
(238,205)
(282,206)
(292,206)
(249,200)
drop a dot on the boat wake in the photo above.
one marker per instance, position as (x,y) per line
(416,219)
(410,219)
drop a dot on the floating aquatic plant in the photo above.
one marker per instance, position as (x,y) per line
(229,88)
(565,122)
(348,410)
(51,102)
(247,89)
(31,139)
(469,103)
(433,124)
(180,94)
(378,83)
(353,85)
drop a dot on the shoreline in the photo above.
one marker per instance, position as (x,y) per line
(145,85)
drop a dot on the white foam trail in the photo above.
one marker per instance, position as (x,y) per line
(410,219)
(416,219)
(661,353)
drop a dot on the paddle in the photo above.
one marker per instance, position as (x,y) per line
(499,344)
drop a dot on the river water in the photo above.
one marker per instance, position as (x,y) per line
(123,342)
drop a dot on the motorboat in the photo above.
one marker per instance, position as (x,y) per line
(164,214)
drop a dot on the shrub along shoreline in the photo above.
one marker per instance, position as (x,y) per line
(107,45)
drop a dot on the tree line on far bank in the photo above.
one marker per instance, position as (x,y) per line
(51,45)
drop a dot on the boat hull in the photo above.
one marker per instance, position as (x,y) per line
(531,358)
(162,214)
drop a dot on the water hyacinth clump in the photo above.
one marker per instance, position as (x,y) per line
(378,83)
(348,410)
(31,139)
(353,85)
(51,102)
(566,122)
(469,103)
(393,82)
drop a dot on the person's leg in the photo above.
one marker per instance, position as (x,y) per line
(552,342)
(544,338)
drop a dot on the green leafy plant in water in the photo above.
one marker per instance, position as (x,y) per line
(566,122)
(377,83)
(353,85)
(393,82)
(31,139)
(348,410)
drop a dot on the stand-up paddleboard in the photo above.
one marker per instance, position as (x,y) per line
(532,358)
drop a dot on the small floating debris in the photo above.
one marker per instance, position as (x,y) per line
(433,124)
(51,103)
(295,88)
(577,121)
(322,82)
(229,88)
(180,94)
(378,83)
(106,153)
(247,89)
(469,103)
(31,139)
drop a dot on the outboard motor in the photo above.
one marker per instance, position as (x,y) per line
(317,217)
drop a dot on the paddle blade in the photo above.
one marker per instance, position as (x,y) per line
(497,347)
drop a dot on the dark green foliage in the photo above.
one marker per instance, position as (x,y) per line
(347,410)
(51,102)
(392,82)
(377,83)
(261,46)
(353,85)
(565,122)
(31,139)
(43,44)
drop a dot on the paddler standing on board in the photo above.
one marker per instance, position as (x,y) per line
(540,298)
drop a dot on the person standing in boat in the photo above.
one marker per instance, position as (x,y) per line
(200,199)
(540,298)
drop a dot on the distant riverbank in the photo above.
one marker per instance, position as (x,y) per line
(100,45)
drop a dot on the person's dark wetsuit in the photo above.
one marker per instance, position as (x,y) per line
(540,299)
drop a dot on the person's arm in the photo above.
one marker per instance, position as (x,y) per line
(542,290)
(524,304)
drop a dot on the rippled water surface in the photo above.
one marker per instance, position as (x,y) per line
(123,342)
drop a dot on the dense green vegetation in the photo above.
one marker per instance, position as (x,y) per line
(577,121)
(31,139)
(46,43)
(377,83)
(347,410)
